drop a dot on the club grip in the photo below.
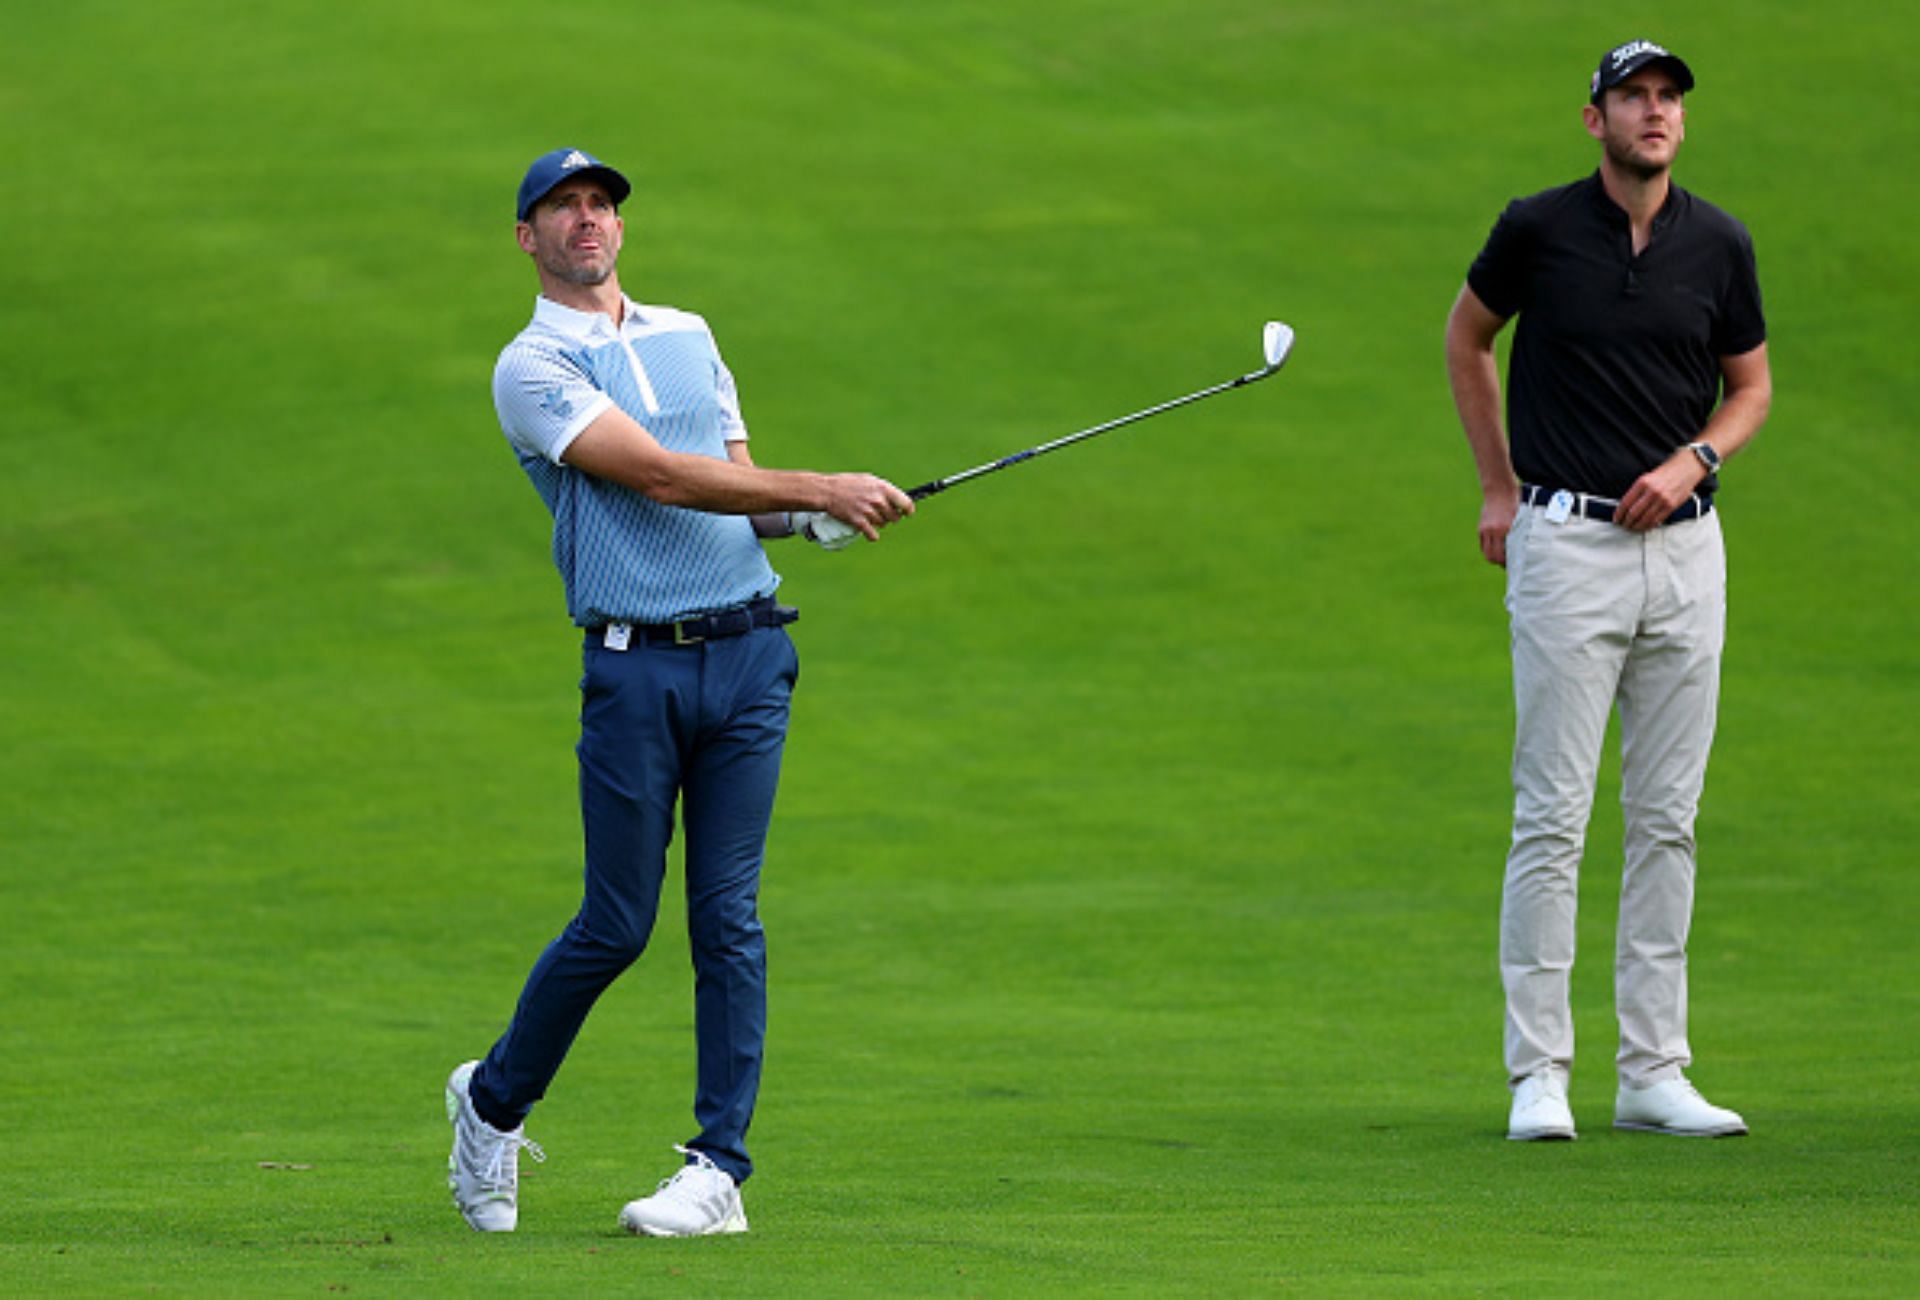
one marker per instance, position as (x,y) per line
(926,490)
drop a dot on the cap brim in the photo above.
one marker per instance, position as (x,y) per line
(1673,63)
(617,187)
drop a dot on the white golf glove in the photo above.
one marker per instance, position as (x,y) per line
(823,530)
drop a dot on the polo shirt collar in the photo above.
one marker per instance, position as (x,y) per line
(1668,213)
(586,325)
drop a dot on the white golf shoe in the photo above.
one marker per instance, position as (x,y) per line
(1540,1112)
(484,1167)
(701,1199)
(1674,1107)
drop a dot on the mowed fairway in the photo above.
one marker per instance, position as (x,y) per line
(1133,889)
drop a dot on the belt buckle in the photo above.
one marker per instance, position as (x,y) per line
(681,635)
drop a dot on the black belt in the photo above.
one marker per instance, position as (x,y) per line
(1588,506)
(714,626)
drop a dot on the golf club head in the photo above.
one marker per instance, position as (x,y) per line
(1276,341)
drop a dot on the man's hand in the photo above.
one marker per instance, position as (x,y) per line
(1475,377)
(861,506)
(1659,492)
(865,503)
(823,530)
(1496,521)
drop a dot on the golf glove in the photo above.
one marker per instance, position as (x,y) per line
(823,530)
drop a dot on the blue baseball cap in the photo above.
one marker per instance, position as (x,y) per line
(549,169)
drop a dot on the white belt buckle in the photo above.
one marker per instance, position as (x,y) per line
(618,636)
(1560,507)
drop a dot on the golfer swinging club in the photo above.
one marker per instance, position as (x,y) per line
(1639,366)
(626,421)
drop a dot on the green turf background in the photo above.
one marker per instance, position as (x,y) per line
(1133,889)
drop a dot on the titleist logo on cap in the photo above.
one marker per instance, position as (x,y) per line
(1622,61)
(1633,48)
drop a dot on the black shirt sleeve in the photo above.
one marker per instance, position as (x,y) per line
(1498,277)
(1741,325)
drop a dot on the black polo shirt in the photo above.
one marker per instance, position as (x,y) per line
(1616,358)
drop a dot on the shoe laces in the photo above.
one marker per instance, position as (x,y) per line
(681,1184)
(1543,1086)
(502,1164)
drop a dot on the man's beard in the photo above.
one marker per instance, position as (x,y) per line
(565,269)
(1621,154)
(577,273)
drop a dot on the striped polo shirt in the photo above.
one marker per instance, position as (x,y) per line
(623,557)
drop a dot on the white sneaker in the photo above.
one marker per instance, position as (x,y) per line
(1674,1107)
(702,1198)
(484,1167)
(1540,1111)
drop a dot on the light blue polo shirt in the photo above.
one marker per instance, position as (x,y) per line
(624,558)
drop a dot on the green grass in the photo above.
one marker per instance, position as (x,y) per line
(1134,879)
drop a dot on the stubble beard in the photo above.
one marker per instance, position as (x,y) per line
(585,274)
(1624,156)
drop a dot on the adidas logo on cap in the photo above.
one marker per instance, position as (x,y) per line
(549,169)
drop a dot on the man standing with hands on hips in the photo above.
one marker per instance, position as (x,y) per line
(1638,367)
(626,421)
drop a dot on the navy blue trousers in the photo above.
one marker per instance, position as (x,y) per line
(701,725)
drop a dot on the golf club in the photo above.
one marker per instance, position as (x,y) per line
(1276,342)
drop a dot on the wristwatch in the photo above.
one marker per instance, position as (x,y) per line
(1708,456)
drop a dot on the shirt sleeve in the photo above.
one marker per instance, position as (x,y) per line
(733,426)
(1742,324)
(544,399)
(1498,276)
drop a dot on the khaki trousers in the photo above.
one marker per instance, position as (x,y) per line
(1603,616)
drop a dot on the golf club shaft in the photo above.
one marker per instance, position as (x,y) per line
(942,484)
